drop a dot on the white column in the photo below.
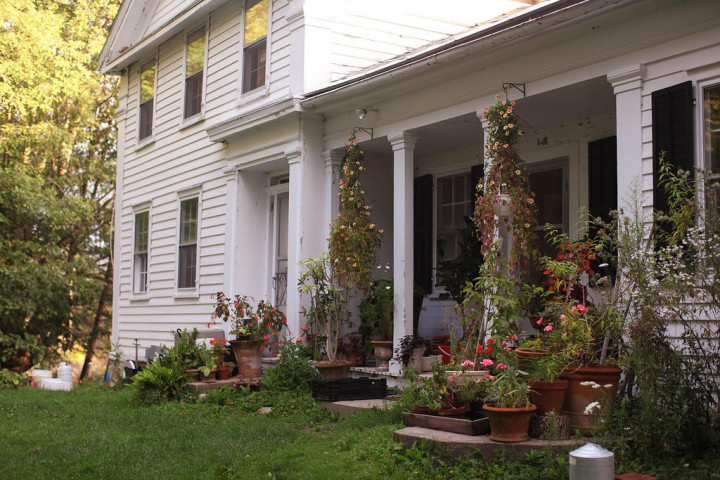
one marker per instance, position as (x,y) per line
(333,162)
(627,84)
(403,145)
(295,163)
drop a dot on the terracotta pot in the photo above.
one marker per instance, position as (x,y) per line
(248,356)
(208,378)
(383,351)
(455,412)
(578,398)
(193,374)
(356,356)
(333,370)
(509,425)
(223,373)
(548,396)
(421,410)
(526,357)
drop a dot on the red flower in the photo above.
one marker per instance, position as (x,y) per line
(479,349)
(490,341)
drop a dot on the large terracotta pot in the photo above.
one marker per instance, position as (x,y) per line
(223,373)
(333,370)
(548,396)
(383,351)
(526,357)
(586,386)
(509,425)
(248,356)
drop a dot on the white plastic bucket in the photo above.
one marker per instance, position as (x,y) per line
(55,384)
(38,375)
(592,462)
(64,372)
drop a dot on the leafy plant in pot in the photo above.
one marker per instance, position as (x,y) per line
(376,317)
(252,327)
(508,406)
(208,366)
(409,352)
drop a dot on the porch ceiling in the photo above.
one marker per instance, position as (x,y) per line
(554,108)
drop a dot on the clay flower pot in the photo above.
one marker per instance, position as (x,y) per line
(590,397)
(248,356)
(509,425)
(383,351)
(548,396)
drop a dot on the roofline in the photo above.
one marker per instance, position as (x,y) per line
(530,20)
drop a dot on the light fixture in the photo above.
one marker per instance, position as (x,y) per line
(360,113)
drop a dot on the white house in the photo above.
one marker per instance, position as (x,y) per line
(234,115)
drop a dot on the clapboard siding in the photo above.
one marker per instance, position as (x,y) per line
(165,11)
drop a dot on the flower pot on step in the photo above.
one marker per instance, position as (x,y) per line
(509,425)
(548,396)
(590,397)
(383,351)
(248,356)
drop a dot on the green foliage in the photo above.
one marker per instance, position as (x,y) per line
(10,379)
(376,311)
(509,389)
(157,383)
(187,353)
(57,155)
(354,240)
(293,369)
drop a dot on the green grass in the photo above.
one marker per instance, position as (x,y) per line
(95,433)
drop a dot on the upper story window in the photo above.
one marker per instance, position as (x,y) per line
(194,72)
(140,252)
(147,98)
(255,44)
(711,117)
(453,205)
(187,252)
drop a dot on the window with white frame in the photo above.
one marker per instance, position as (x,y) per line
(147,99)
(711,148)
(194,72)
(141,248)
(255,44)
(453,204)
(187,250)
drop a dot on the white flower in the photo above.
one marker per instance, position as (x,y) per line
(591,407)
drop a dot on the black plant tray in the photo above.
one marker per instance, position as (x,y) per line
(362,388)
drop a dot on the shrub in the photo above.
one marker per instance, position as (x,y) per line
(158,383)
(10,379)
(293,370)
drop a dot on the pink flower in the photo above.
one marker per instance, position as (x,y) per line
(501,366)
(305,327)
(562,317)
(299,340)
(263,347)
(539,322)
(487,362)
(468,364)
(582,309)
(548,328)
(266,337)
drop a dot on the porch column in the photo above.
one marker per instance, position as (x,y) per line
(333,162)
(295,164)
(403,145)
(628,84)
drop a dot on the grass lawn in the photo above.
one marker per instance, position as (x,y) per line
(97,433)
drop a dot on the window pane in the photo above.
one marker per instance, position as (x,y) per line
(187,267)
(548,188)
(256,21)
(141,231)
(140,266)
(195,52)
(459,188)
(188,221)
(712,128)
(147,81)
(193,95)
(254,66)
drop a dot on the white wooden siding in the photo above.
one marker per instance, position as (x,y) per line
(165,11)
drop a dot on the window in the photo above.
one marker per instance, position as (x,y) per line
(194,68)
(147,99)
(255,44)
(711,114)
(453,204)
(187,254)
(140,252)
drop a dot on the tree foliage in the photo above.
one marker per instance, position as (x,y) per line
(57,163)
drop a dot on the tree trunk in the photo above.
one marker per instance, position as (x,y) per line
(99,316)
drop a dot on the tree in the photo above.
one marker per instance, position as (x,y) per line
(57,163)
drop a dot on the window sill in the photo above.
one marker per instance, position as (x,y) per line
(189,122)
(249,96)
(144,143)
(139,297)
(190,294)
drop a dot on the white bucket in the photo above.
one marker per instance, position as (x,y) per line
(64,372)
(38,375)
(592,462)
(55,384)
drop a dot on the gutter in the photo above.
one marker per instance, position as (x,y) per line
(523,25)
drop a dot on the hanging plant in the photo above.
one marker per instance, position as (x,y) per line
(354,239)
(506,187)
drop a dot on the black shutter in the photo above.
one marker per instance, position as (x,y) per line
(672,117)
(602,177)
(423,234)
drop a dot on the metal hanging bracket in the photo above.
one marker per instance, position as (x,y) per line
(520,87)
(368,131)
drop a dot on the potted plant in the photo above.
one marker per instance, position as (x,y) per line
(252,327)
(352,346)
(470,391)
(218,349)
(376,317)
(327,312)
(409,352)
(207,366)
(508,406)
